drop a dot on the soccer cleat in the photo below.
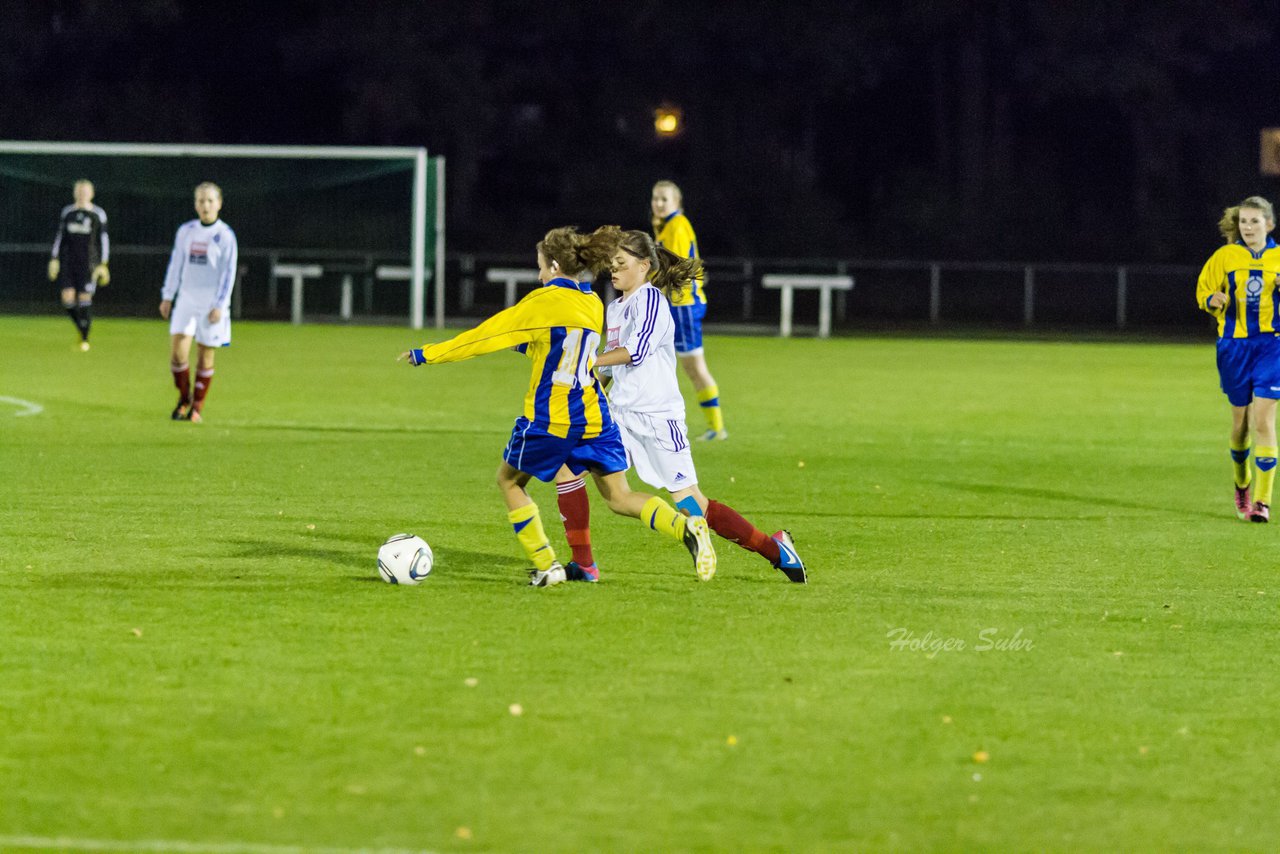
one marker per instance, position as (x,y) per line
(575,571)
(713,435)
(1260,513)
(697,539)
(788,560)
(552,576)
(1243,505)
(84,346)
(180,411)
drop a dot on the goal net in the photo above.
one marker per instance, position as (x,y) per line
(335,232)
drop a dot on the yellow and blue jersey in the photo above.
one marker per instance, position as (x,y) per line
(676,236)
(558,327)
(1248,279)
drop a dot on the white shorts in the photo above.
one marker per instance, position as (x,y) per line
(191,317)
(658,448)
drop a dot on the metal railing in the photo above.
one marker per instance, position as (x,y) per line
(935,292)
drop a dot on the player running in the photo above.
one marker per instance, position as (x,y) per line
(674,232)
(201,275)
(78,261)
(645,399)
(1238,287)
(566,419)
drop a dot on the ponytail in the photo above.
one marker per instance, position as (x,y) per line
(574,252)
(667,271)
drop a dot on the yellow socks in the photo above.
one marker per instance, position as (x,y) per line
(528,527)
(663,518)
(1240,463)
(1265,459)
(709,400)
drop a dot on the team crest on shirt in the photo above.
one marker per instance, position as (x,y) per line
(200,253)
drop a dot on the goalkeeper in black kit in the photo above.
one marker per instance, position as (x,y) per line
(78,262)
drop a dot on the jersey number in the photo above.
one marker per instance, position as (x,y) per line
(577,358)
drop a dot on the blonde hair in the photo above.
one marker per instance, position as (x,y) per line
(574,252)
(679,194)
(1229,225)
(208,185)
(667,271)
(673,187)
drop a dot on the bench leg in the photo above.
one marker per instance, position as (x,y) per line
(785,330)
(295,309)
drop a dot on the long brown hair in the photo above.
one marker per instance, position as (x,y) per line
(574,252)
(667,271)
(1229,225)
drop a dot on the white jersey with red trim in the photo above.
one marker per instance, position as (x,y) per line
(202,266)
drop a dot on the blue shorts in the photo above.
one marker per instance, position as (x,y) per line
(534,451)
(688,320)
(1249,368)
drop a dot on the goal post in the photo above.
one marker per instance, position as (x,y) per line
(299,200)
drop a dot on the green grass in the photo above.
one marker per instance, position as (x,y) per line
(194,644)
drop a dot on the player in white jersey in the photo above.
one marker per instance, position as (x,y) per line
(78,260)
(201,276)
(645,399)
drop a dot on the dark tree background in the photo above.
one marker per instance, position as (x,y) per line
(1044,129)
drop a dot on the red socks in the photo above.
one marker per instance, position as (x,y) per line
(728,523)
(203,380)
(575,512)
(182,380)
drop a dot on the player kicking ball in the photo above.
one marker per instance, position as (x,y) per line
(566,421)
(645,399)
(201,276)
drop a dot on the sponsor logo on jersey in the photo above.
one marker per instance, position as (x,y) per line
(199,253)
(1254,285)
(80,225)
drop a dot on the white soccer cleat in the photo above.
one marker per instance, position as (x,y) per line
(697,539)
(554,575)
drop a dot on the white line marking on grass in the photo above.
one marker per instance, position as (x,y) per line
(27,407)
(178,846)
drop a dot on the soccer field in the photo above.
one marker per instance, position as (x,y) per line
(1032,623)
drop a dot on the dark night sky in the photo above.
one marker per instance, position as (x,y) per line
(1040,130)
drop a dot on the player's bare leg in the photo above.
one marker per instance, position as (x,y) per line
(695,367)
(204,378)
(179,356)
(728,523)
(76,307)
(661,517)
(1239,444)
(1262,422)
(575,513)
(84,317)
(525,520)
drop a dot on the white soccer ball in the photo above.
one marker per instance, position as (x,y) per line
(405,559)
